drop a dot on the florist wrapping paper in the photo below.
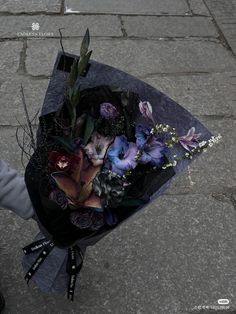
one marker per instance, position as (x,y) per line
(129,141)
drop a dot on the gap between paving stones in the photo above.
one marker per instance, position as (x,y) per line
(22,67)
(159,74)
(167,38)
(62,7)
(221,34)
(122,26)
(94,14)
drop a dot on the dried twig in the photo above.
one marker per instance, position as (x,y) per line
(24,127)
(23,151)
(35,116)
(28,119)
(26,141)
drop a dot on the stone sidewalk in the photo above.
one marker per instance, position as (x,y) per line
(178,255)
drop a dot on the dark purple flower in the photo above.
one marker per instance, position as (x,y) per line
(190,140)
(151,148)
(97,220)
(59,197)
(81,219)
(87,219)
(122,155)
(108,111)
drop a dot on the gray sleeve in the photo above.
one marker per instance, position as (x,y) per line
(13,192)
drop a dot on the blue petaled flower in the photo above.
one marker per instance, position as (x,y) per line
(151,148)
(122,155)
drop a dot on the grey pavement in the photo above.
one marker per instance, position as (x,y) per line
(178,256)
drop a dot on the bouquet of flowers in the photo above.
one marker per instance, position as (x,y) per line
(107,144)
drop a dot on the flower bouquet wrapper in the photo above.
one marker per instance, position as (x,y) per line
(117,117)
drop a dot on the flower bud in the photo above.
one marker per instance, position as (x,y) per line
(146,109)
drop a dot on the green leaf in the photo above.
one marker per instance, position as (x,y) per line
(76,98)
(89,128)
(83,63)
(70,107)
(71,92)
(85,43)
(66,143)
(73,73)
(132,202)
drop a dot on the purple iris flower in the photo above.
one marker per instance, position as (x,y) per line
(150,146)
(142,134)
(122,155)
(108,111)
(190,140)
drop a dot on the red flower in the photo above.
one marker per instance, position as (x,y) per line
(62,161)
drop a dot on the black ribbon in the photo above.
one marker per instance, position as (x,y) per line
(40,259)
(72,269)
(35,246)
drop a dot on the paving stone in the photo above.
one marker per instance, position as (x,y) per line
(222,8)
(9,57)
(10,151)
(224,11)
(128,7)
(138,57)
(228,27)
(73,25)
(11,100)
(198,7)
(15,6)
(214,171)
(171,26)
(209,94)
(180,252)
